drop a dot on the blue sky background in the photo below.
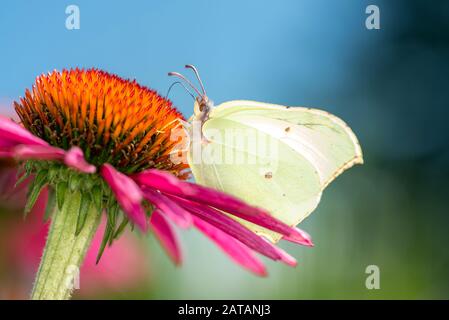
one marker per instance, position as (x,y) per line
(289,52)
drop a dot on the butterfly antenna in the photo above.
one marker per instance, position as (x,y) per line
(176,74)
(197,74)
(182,84)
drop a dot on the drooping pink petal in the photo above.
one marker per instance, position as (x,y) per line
(305,239)
(169,184)
(75,158)
(238,252)
(38,152)
(176,213)
(163,181)
(5,144)
(284,256)
(6,154)
(166,235)
(232,228)
(14,134)
(127,193)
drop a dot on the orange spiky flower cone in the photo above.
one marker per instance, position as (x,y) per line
(112,120)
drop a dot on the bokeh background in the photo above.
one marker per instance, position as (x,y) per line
(391,85)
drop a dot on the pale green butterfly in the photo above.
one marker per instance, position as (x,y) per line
(295,154)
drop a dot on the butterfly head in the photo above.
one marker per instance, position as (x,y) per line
(201,108)
(203,105)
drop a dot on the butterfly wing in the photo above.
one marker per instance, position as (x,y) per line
(274,157)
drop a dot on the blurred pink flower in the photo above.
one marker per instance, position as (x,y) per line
(23,244)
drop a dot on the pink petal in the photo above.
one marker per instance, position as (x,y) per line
(177,214)
(168,183)
(6,154)
(13,133)
(75,158)
(238,252)
(305,239)
(128,194)
(163,181)
(284,256)
(27,152)
(166,236)
(7,144)
(231,227)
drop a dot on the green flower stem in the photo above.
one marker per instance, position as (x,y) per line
(65,251)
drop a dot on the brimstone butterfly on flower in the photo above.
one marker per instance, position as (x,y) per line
(271,156)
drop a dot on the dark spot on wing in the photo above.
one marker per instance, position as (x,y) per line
(287,129)
(269,175)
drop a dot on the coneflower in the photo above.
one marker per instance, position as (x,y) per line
(103,144)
